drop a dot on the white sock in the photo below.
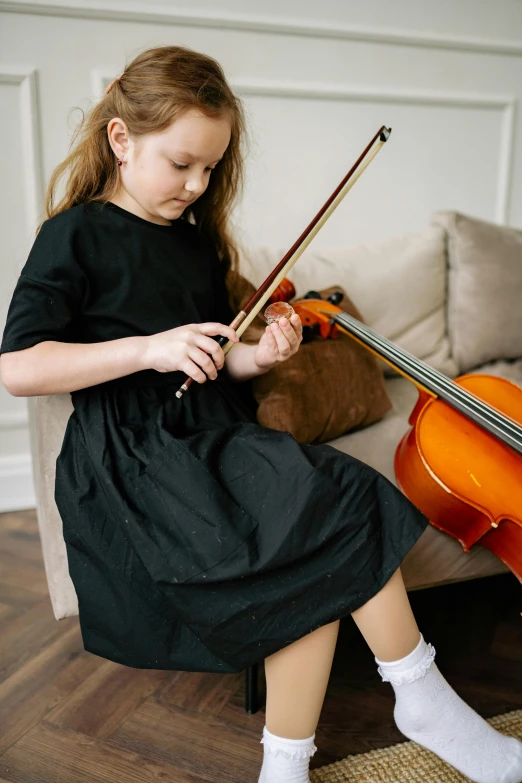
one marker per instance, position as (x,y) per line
(429,712)
(286,760)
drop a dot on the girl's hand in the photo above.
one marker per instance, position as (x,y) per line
(280,341)
(186,348)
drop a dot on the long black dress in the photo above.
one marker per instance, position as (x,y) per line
(197,539)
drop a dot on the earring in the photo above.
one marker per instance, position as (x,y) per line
(120,162)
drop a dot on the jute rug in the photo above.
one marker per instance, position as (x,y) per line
(406,762)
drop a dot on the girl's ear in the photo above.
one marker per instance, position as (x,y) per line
(118,137)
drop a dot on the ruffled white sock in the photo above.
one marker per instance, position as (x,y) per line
(429,712)
(286,760)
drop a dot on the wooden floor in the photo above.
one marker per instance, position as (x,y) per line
(68,716)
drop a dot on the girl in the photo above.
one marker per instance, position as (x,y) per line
(197,539)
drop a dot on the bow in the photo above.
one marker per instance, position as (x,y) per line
(258,299)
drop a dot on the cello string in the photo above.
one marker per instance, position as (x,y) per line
(441,382)
(474,407)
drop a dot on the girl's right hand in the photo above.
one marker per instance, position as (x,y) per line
(186,348)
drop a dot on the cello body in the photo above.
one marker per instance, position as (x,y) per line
(466,481)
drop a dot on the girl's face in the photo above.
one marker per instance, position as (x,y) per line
(164,172)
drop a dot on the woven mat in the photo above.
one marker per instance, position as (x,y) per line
(406,762)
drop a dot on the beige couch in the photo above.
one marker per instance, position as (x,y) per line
(449,294)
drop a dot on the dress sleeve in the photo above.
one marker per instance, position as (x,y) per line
(48,295)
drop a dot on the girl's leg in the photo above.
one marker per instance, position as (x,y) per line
(427,709)
(296,680)
(387,623)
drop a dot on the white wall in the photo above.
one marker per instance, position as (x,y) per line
(317,80)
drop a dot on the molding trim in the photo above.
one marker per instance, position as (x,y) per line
(506,162)
(335,91)
(506,104)
(312,28)
(25,79)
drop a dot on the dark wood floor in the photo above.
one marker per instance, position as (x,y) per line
(68,716)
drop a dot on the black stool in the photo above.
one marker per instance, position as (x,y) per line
(252,701)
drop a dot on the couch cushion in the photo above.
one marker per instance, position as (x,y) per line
(48,416)
(437,557)
(399,285)
(485,282)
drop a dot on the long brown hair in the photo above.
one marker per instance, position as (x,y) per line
(153,91)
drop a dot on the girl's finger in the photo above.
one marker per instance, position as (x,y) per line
(270,336)
(193,371)
(205,362)
(210,346)
(281,340)
(289,331)
(296,322)
(271,342)
(214,328)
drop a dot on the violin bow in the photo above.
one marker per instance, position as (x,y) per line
(266,289)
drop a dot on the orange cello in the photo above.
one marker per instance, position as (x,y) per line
(461,461)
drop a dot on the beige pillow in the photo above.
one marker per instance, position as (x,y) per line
(485,289)
(399,285)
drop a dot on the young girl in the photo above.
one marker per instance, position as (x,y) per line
(197,539)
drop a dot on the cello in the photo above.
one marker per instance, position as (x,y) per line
(460,462)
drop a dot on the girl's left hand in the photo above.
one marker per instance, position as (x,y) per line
(280,341)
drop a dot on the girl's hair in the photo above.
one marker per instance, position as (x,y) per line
(155,89)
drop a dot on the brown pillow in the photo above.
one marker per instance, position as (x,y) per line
(327,388)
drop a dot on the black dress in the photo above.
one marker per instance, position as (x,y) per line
(197,539)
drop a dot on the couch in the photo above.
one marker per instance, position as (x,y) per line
(448,293)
